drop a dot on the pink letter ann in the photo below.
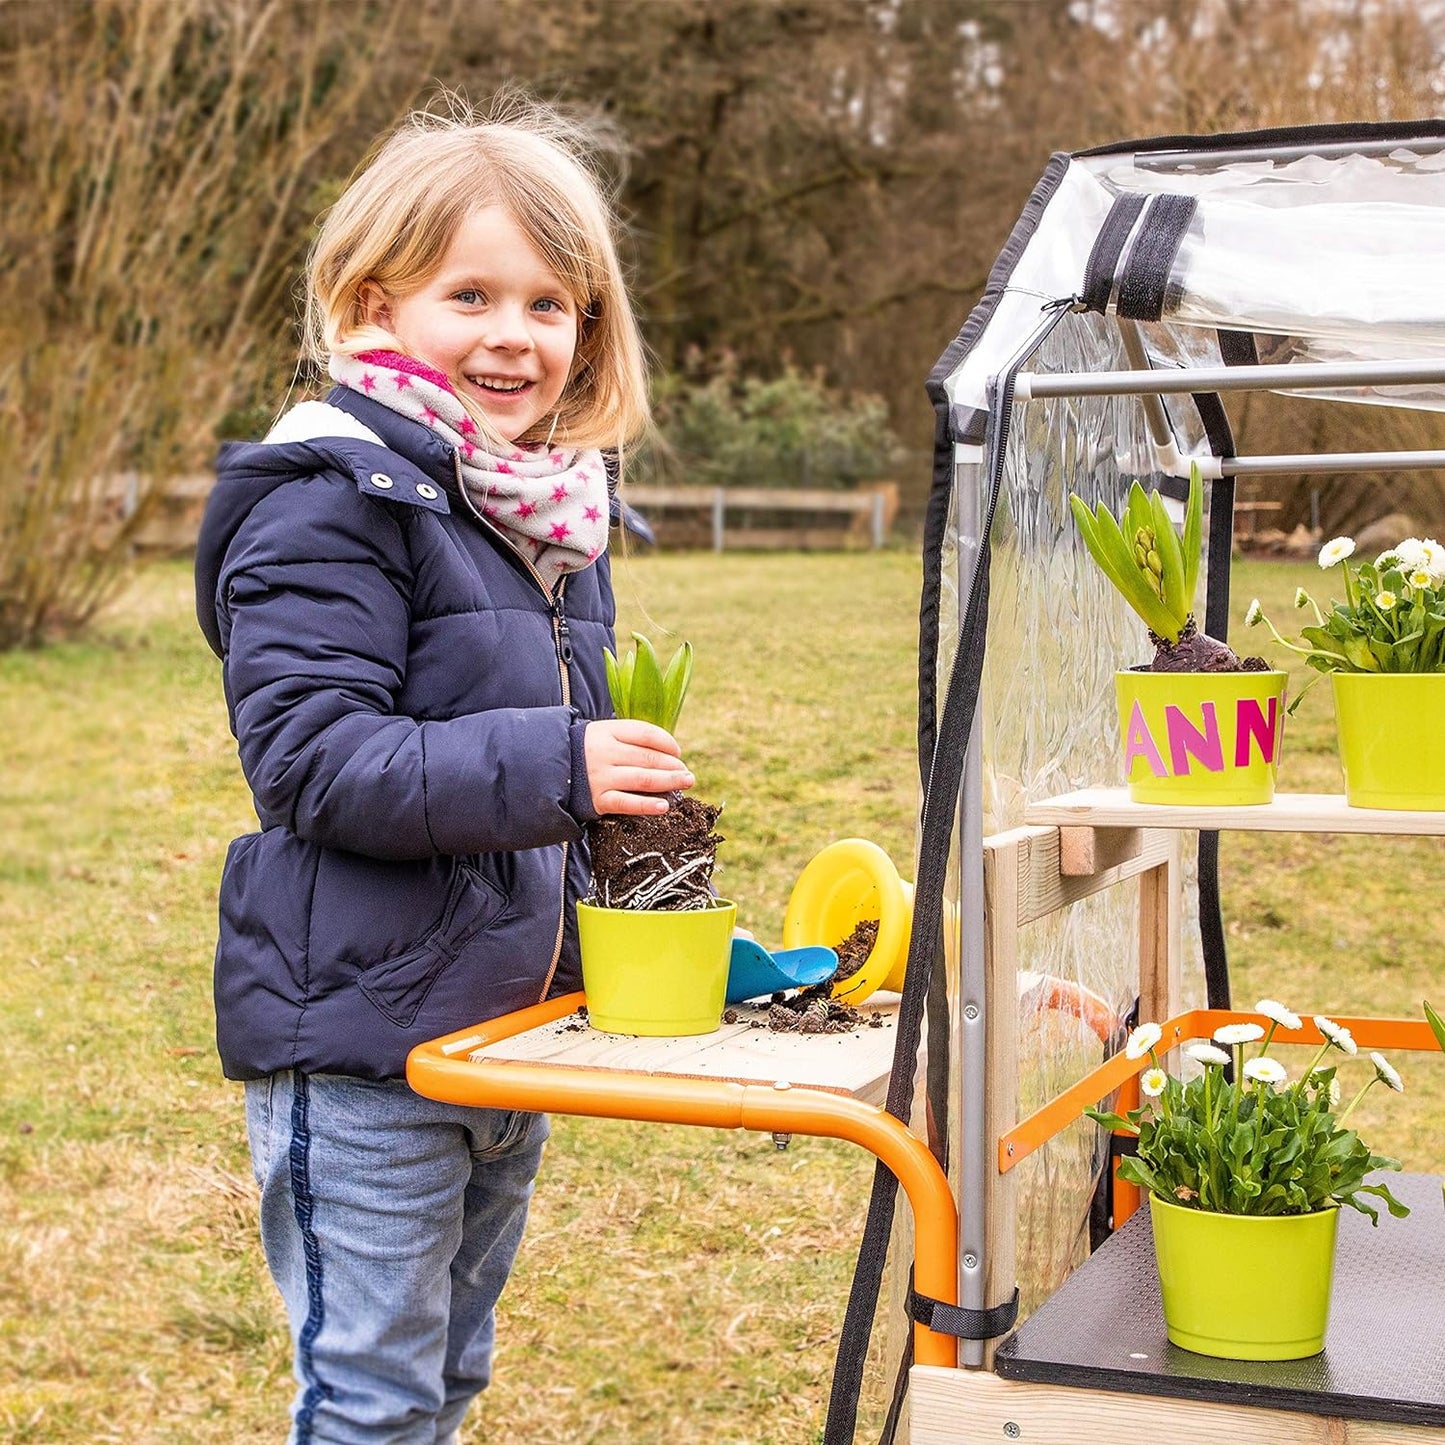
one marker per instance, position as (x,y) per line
(1251,725)
(1139,744)
(1185,740)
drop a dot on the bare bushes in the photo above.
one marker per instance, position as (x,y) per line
(153,159)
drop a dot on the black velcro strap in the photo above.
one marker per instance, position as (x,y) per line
(1238,348)
(1144,285)
(964,1324)
(1108,247)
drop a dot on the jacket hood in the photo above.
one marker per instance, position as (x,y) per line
(347,434)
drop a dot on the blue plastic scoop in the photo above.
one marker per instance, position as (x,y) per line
(754,972)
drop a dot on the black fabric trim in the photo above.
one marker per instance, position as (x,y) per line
(971,429)
(964,1324)
(1237,348)
(1108,246)
(943,781)
(1432,128)
(1144,285)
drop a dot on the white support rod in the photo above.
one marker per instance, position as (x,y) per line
(1335,462)
(1302,376)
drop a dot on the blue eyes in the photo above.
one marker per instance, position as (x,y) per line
(548,305)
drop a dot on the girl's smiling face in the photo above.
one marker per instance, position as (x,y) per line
(494,318)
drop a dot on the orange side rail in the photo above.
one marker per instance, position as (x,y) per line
(442,1070)
(1122,1073)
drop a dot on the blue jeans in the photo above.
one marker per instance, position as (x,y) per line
(390,1223)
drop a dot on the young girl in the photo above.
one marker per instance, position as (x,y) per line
(408,587)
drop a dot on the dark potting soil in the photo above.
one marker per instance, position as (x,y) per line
(814,1010)
(655,860)
(1196,651)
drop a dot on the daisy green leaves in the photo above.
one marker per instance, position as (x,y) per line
(1392,617)
(641,689)
(1259,1143)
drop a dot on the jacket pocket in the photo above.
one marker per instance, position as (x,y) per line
(399,986)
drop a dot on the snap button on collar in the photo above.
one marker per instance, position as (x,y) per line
(380,479)
(425,489)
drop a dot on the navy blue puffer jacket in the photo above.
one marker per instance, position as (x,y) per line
(409,705)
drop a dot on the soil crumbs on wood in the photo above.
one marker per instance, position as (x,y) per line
(814,1010)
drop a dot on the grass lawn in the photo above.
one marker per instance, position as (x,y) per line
(676,1285)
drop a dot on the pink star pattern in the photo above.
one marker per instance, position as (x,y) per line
(525,509)
(402,380)
(560,531)
(593,514)
(559,492)
(368,382)
(428,416)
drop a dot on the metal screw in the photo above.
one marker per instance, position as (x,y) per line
(970,1012)
(1011,1430)
(781,1141)
(970,1261)
(1010,1151)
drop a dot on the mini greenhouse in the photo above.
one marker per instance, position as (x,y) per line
(1142,285)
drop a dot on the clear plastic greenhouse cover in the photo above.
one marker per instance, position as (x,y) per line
(1331,254)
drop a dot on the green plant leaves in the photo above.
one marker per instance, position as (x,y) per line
(641,689)
(1231,1149)
(1144,557)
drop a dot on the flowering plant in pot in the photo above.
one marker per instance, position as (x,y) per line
(654,936)
(1199,723)
(1246,1176)
(1383,647)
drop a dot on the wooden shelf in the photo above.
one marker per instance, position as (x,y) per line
(857,1063)
(1289,813)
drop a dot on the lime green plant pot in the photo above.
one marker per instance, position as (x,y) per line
(1391,741)
(1245,1286)
(655,974)
(1208,738)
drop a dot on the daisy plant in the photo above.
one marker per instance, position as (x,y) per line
(642,688)
(1391,619)
(1257,1142)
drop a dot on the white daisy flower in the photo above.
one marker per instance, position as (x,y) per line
(1153,1082)
(1278,1013)
(1237,1034)
(1265,1071)
(1386,1074)
(1319,1083)
(1255,615)
(1142,1040)
(1337,1034)
(1421,578)
(1336,551)
(1386,560)
(1434,559)
(1410,556)
(1207,1054)
(1385,600)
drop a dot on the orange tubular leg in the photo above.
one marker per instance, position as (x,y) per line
(442,1070)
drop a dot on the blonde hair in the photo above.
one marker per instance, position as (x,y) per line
(395,220)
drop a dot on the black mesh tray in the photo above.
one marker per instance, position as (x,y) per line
(1384,1356)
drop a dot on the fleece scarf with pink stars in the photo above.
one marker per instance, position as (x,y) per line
(550,503)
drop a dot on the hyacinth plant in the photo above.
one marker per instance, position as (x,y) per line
(1392,617)
(641,688)
(1259,1143)
(1156,570)
(661,862)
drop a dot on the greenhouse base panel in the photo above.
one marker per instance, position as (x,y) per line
(1384,1356)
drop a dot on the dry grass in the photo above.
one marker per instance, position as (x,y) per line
(677,1284)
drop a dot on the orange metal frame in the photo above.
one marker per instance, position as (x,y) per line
(1122,1073)
(442,1069)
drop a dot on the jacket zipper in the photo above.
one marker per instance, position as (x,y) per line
(562,643)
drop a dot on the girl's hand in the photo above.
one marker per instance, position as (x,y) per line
(630,764)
